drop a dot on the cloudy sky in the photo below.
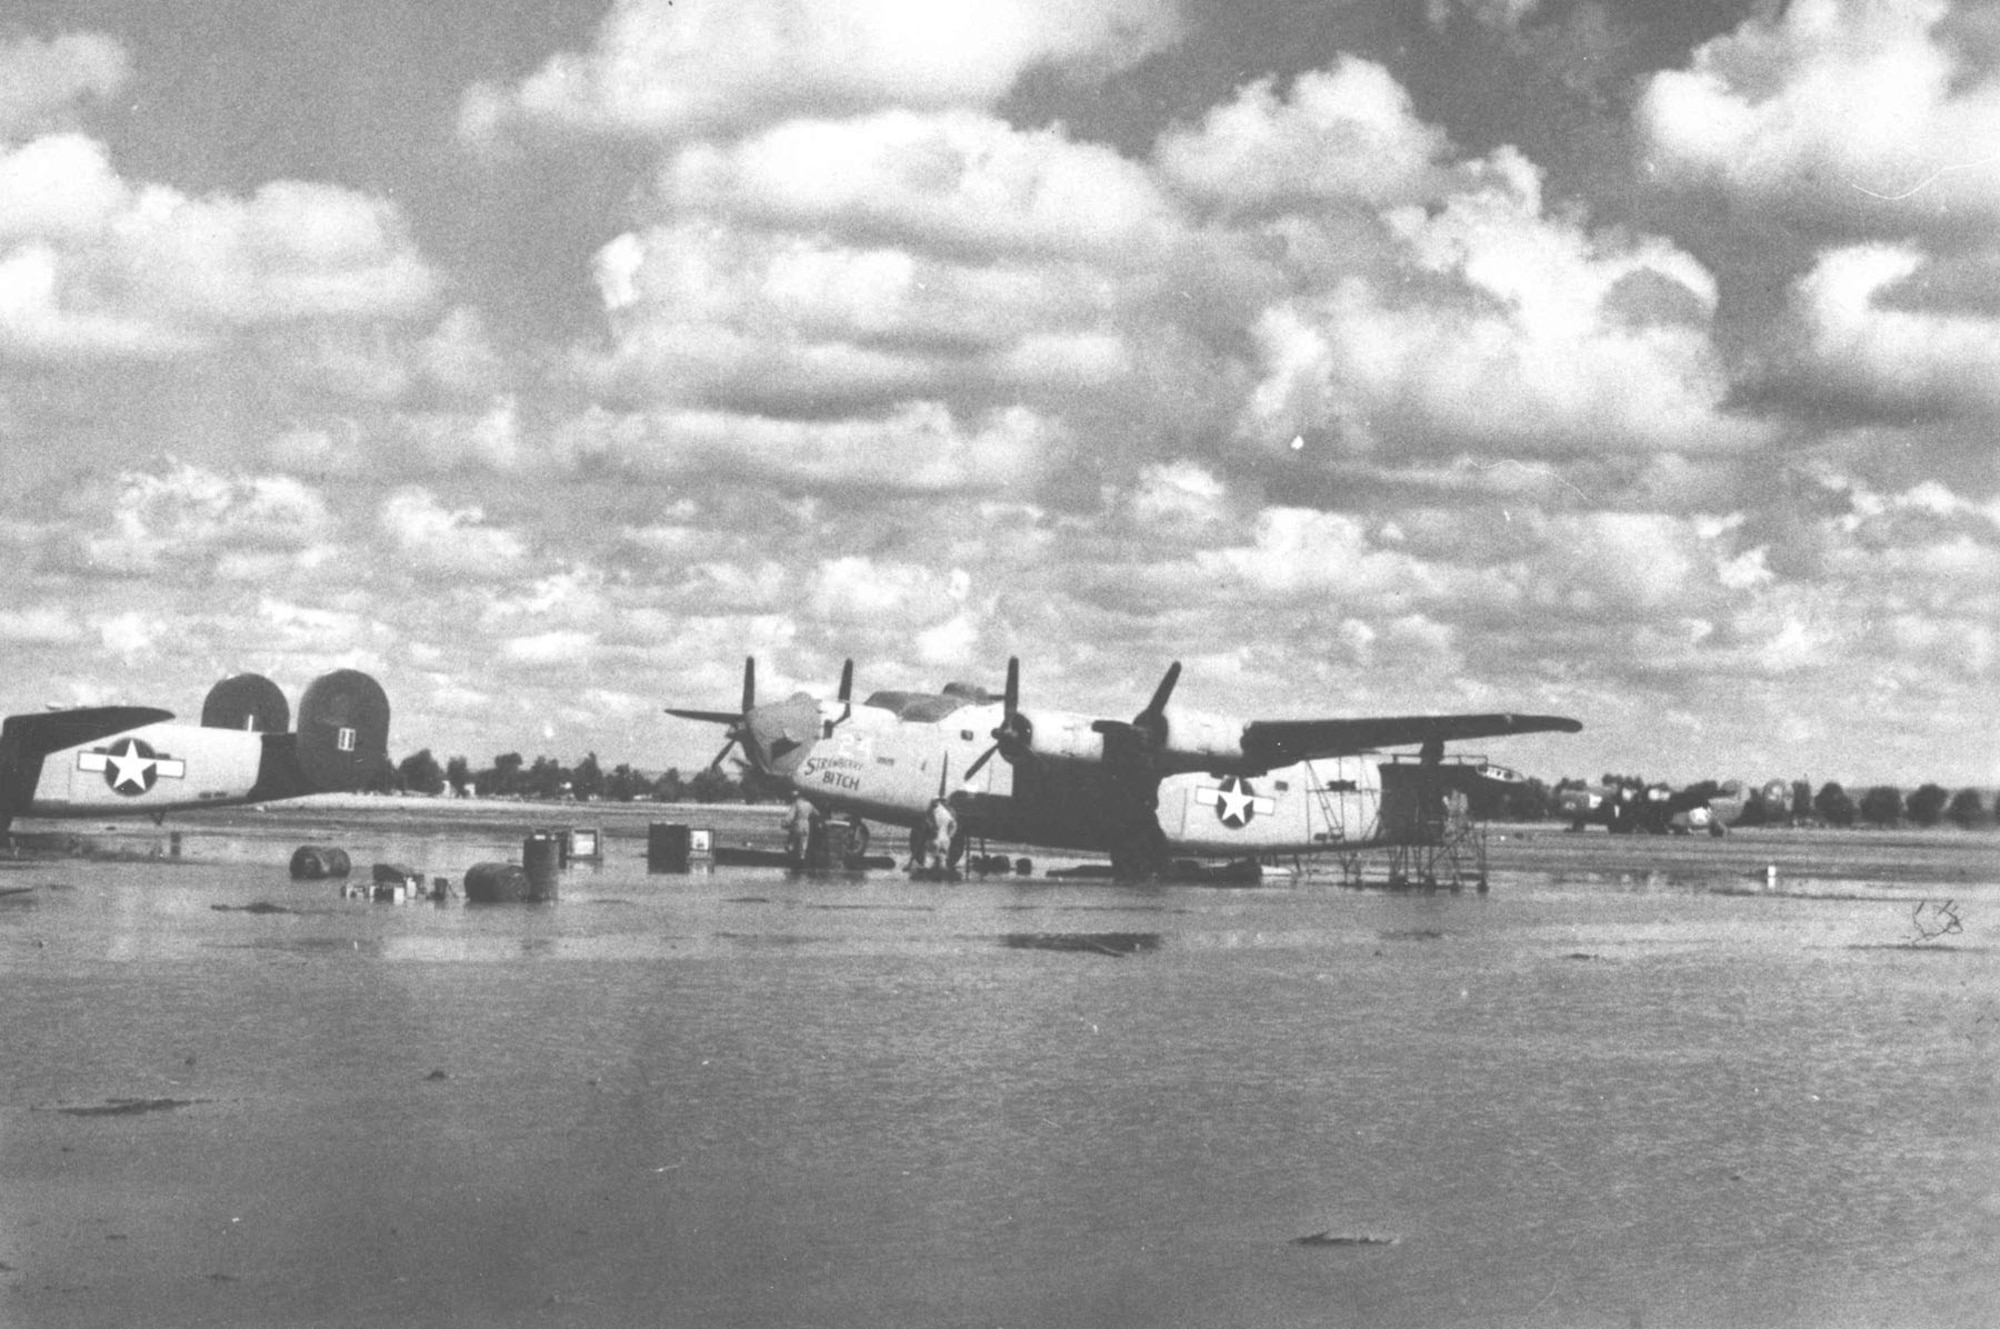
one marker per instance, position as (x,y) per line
(1630,361)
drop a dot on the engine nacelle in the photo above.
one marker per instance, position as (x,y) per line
(343,735)
(1193,738)
(1064,736)
(1209,738)
(247,702)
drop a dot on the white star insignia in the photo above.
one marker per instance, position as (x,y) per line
(131,767)
(1235,801)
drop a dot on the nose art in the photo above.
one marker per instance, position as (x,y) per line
(783,731)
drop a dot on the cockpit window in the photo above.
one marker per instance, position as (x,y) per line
(925,707)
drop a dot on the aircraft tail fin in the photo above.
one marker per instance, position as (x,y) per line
(247,701)
(343,733)
(342,741)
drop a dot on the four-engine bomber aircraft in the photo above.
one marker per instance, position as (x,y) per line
(107,760)
(1168,780)
(1629,806)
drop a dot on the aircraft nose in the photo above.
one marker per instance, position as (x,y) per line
(783,732)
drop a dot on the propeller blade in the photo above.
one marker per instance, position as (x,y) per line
(727,748)
(1141,737)
(980,764)
(846,693)
(749,684)
(1010,700)
(706,717)
(1154,717)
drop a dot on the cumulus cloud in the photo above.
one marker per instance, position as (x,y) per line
(954,182)
(1503,15)
(319,635)
(1854,115)
(1344,133)
(132,635)
(459,355)
(40,80)
(920,447)
(703,67)
(1850,341)
(860,590)
(561,648)
(180,518)
(1178,496)
(448,540)
(1298,551)
(1505,328)
(488,439)
(40,625)
(93,266)
(706,313)
(58,187)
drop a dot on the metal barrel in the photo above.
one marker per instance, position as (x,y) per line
(496,883)
(311,862)
(668,847)
(541,859)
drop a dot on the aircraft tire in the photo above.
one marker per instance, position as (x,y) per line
(857,842)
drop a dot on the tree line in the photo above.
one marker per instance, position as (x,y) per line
(1799,804)
(546,779)
(510,775)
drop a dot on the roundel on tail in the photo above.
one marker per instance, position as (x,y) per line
(343,735)
(247,701)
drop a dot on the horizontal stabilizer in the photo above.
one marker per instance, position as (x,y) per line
(36,736)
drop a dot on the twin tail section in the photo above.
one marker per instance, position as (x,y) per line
(106,760)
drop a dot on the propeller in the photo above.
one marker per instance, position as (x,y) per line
(737,725)
(741,729)
(1135,739)
(1145,733)
(1015,737)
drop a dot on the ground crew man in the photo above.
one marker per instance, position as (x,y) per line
(944,829)
(798,826)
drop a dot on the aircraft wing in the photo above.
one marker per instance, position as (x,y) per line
(1282,742)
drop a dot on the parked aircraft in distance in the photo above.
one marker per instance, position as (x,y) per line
(1169,780)
(1627,807)
(107,760)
